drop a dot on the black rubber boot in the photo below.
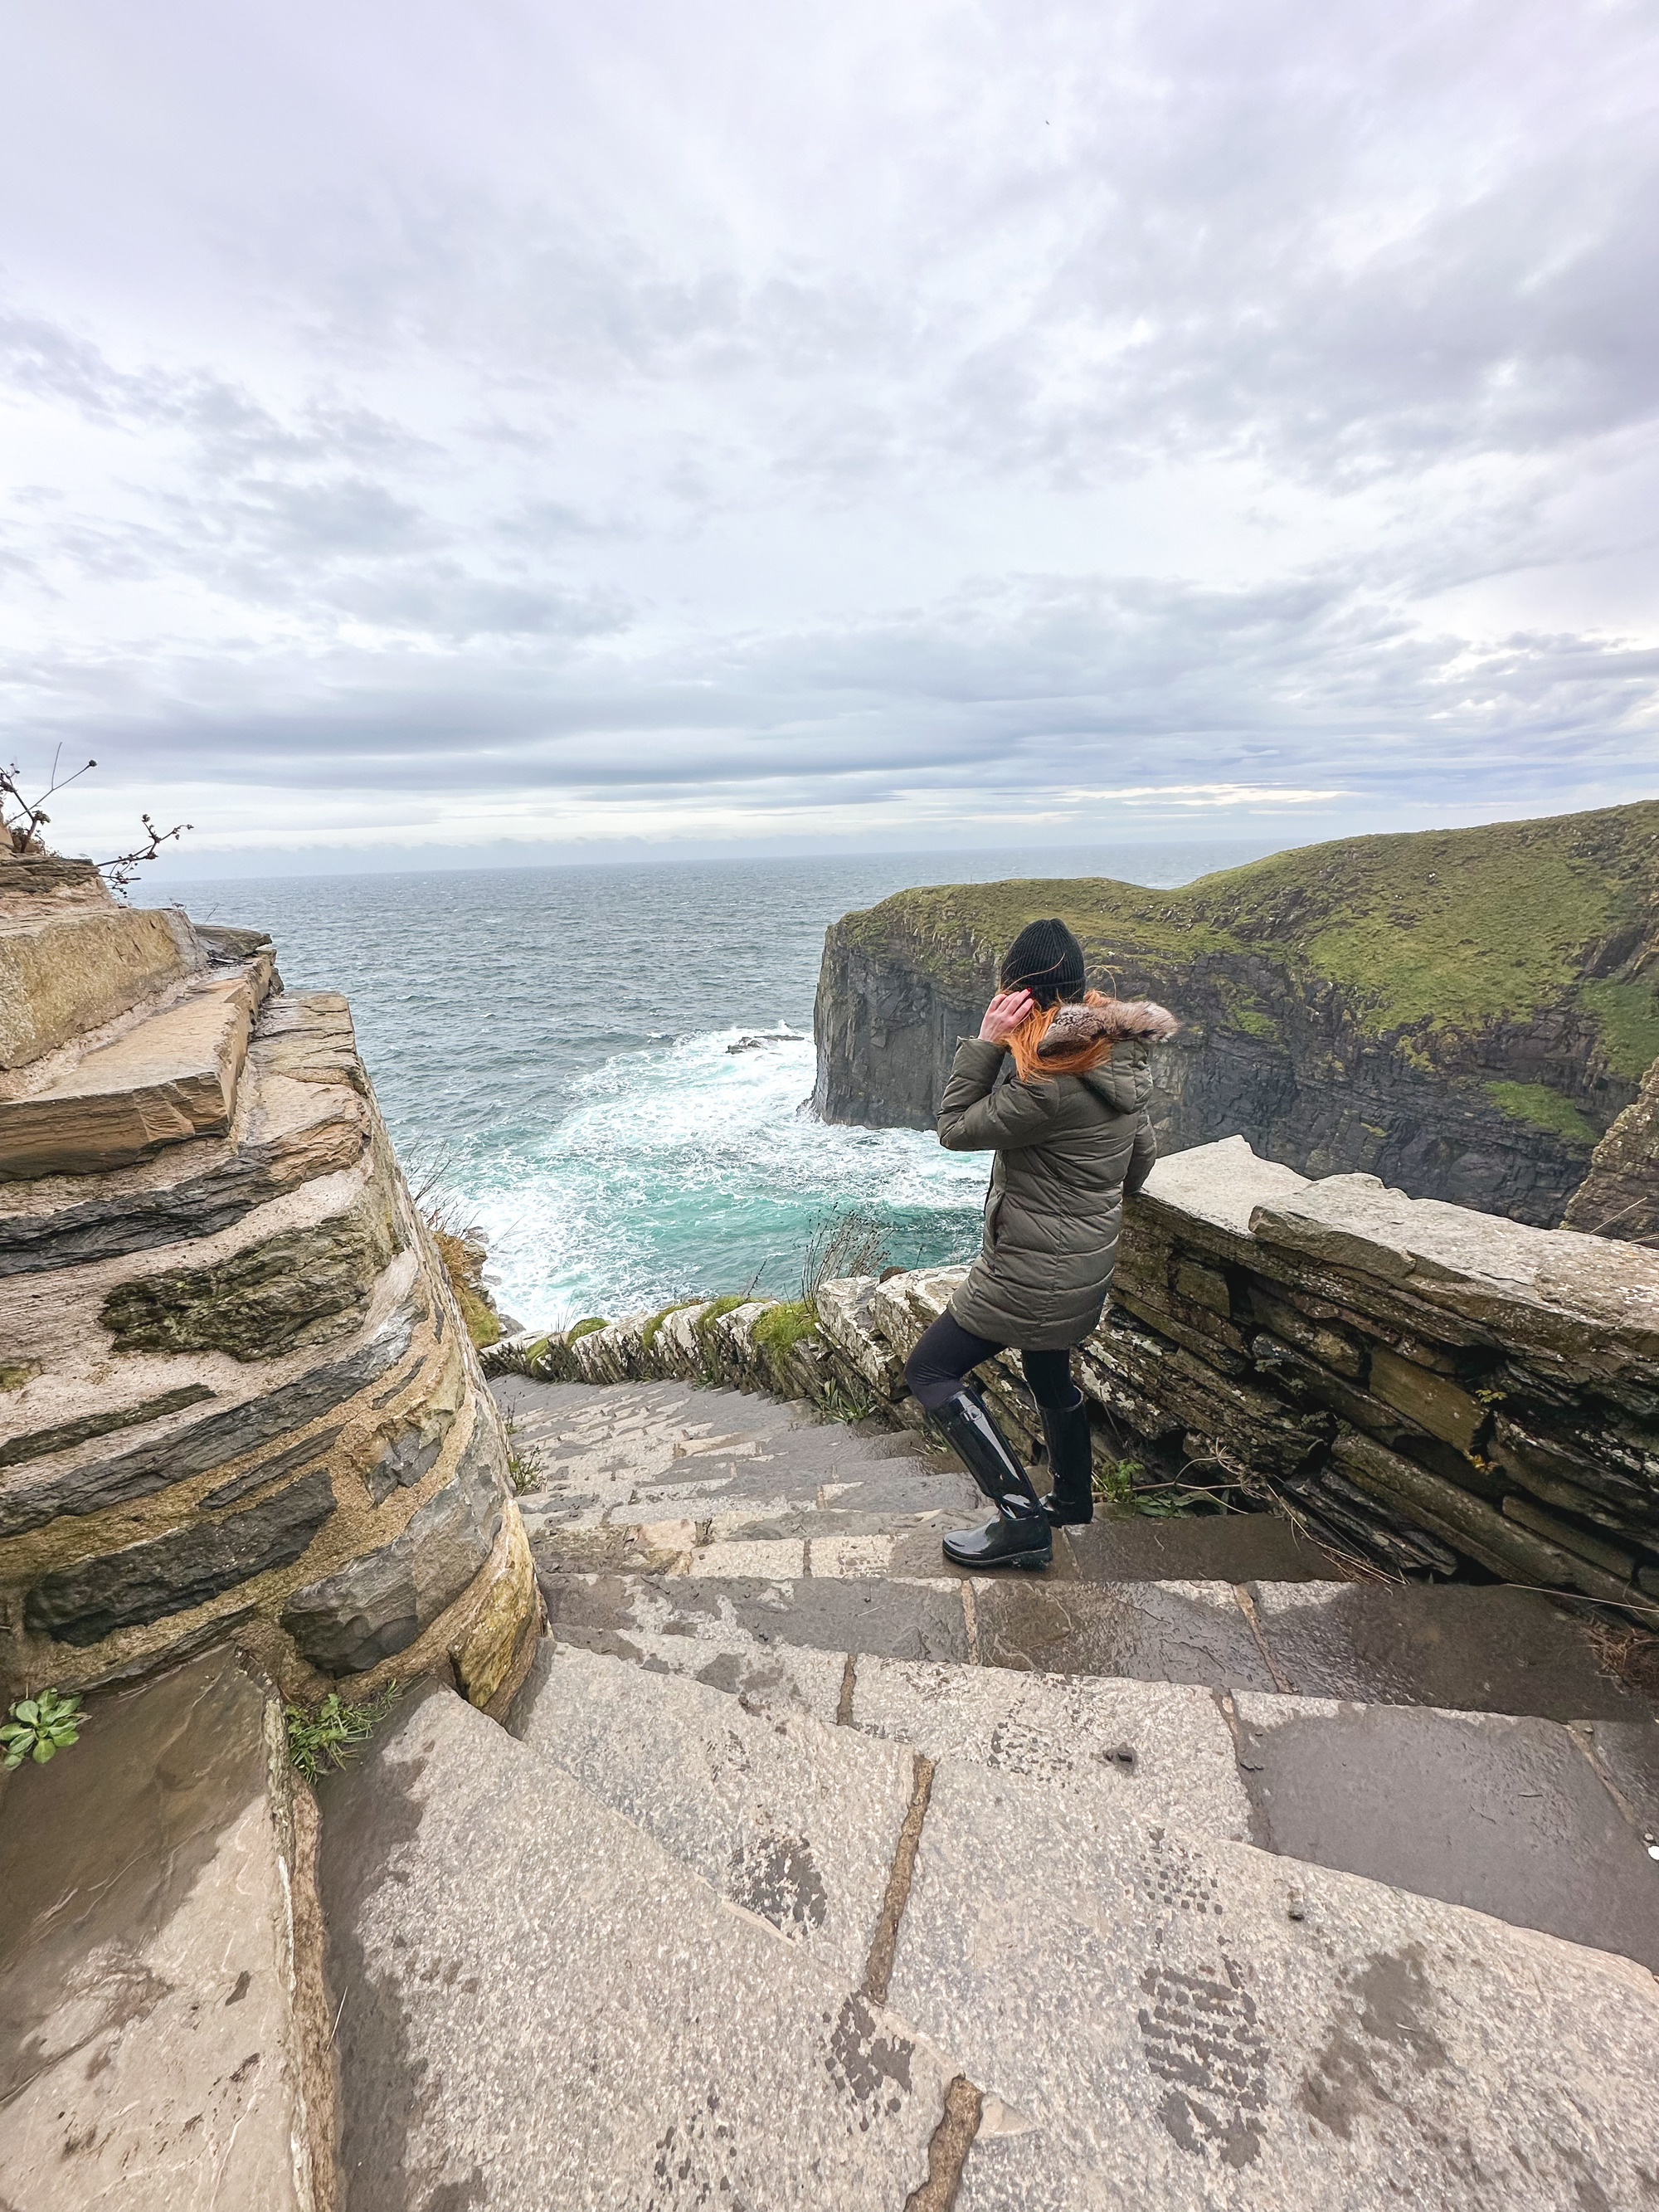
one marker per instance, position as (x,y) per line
(1072,1460)
(1020,1536)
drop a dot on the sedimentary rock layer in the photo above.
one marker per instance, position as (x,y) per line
(1461,1013)
(235,1394)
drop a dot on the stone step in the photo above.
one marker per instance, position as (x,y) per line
(888,1489)
(1461,1648)
(76,961)
(1520,1818)
(794,1821)
(681,1533)
(653,1454)
(170,1076)
(161,2022)
(544,2008)
(1159,2019)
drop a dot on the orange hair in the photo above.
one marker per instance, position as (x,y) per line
(1026,1041)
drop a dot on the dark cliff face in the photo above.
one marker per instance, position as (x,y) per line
(1619,1196)
(1462,1013)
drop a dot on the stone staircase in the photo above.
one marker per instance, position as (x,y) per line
(809,1872)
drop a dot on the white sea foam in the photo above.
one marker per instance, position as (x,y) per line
(691,1167)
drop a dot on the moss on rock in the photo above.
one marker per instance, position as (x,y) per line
(1545,1108)
(781,1327)
(301,1287)
(649,1334)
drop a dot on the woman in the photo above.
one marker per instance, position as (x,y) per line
(1057,1084)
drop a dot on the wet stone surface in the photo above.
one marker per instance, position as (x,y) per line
(1153,1632)
(147,2042)
(902,1620)
(688,2051)
(1507,1816)
(1219,1546)
(1469,1649)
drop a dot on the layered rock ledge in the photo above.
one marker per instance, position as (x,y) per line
(236,1397)
(1425,1389)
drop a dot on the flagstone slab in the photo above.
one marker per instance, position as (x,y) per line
(794,1821)
(1466,1648)
(545,2008)
(902,1619)
(1176,2021)
(150,2049)
(1507,1815)
(1179,1632)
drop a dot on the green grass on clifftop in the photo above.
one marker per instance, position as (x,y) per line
(1424,930)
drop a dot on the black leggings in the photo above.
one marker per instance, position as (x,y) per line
(947,1353)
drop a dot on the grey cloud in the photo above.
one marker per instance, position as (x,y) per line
(769,423)
(1053,686)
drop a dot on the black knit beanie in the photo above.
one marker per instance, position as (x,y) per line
(1046,960)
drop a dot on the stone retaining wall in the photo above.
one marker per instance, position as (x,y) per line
(1424,1388)
(236,1397)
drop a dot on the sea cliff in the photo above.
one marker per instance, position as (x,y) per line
(1464,1013)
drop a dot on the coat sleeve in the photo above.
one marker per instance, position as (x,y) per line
(980,1114)
(1144,1157)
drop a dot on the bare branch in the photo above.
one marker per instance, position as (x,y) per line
(23,818)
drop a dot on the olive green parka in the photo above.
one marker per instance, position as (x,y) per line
(1067,1148)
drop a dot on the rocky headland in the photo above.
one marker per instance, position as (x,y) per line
(1465,1013)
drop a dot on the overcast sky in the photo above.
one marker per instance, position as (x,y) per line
(706,420)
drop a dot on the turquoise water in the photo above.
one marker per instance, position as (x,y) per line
(552,1042)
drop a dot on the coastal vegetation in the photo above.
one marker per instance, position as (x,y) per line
(1431,931)
(783,1326)
(38,1728)
(327,1734)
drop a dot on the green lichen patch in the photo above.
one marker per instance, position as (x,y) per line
(14,1378)
(301,1287)
(1535,1103)
(584,1327)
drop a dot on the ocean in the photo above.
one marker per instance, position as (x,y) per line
(550,1048)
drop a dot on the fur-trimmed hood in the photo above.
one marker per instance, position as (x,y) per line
(1099,1020)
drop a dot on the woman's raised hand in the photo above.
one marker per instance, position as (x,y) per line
(1004,1015)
